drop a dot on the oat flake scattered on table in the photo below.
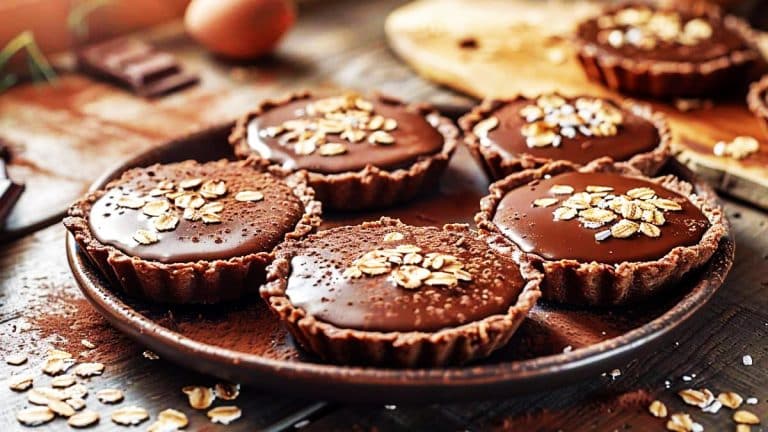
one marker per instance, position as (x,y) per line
(199,397)
(131,415)
(84,419)
(224,414)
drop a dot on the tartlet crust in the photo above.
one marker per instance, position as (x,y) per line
(756,99)
(449,346)
(498,166)
(188,282)
(370,187)
(669,79)
(598,284)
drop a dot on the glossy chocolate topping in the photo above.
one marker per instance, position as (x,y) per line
(246,226)
(414,137)
(635,135)
(535,230)
(376,303)
(722,42)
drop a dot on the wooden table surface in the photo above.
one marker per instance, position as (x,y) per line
(63,142)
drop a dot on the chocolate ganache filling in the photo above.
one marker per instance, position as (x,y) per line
(400,278)
(598,217)
(662,35)
(575,129)
(187,212)
(343,134)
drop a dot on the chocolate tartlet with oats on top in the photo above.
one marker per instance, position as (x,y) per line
(695,51)
(360,153)
(510,135)
(192,232)
(390,294)
(757,99)
(603,234)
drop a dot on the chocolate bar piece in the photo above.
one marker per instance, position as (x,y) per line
(9,191)
(136,65)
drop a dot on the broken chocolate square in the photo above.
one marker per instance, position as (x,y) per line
(136,65)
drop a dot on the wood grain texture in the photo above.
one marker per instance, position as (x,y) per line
(324,49)
(64,135)
(523,47)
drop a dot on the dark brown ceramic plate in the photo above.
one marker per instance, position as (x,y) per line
(242,342)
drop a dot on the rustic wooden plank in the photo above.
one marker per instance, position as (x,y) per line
(710,347)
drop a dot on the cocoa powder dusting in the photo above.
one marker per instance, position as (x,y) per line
(69,318)
(246,327)
(42,308)
(82,321)
(634,399)
(543,420)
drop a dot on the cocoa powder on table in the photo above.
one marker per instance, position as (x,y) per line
(535,420)
(82,322)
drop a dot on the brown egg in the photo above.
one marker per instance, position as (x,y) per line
(239,29)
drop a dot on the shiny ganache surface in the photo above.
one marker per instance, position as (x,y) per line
(722,42)
(635,135)
(376,303)
(536,231)
(246,227)
(414,137)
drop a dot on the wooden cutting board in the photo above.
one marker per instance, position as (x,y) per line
(495,48)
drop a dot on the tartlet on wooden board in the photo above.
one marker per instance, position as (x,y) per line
(493,48)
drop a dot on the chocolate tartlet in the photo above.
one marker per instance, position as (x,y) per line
(758,101)
(514,134)
(360,153)
(695,51)
(192,233)
(390,294)
(603,234)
